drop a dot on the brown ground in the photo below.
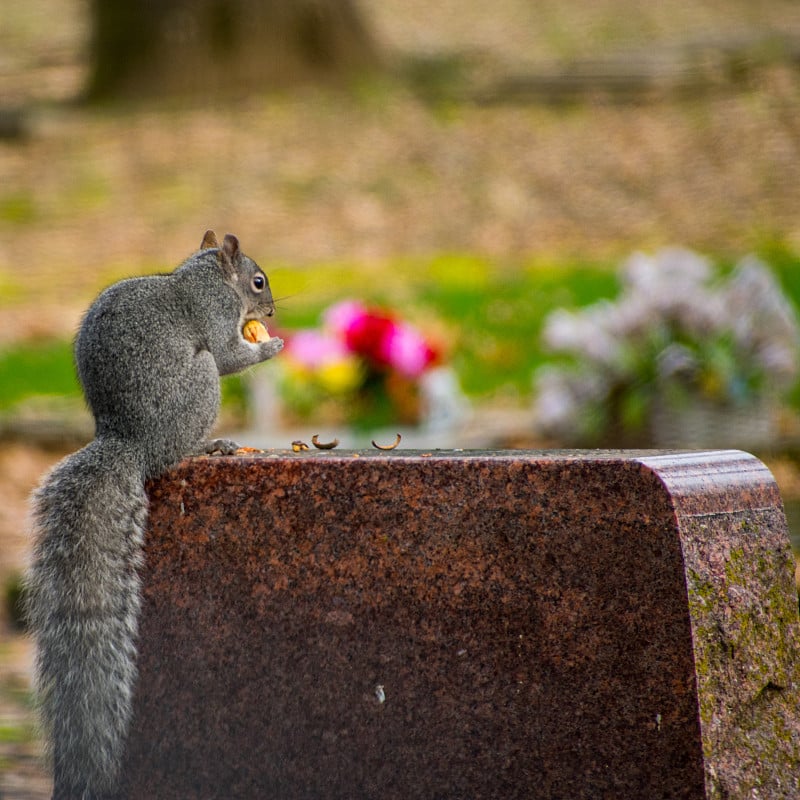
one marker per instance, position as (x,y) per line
(21,774)
(373,174)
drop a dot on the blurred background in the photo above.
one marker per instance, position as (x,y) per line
(487,224)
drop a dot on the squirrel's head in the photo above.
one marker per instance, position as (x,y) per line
(243,275)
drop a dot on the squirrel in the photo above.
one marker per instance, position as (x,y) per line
(149,354)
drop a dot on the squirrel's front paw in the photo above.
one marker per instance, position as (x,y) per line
(271,348)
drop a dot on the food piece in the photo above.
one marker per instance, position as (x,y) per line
(255,331)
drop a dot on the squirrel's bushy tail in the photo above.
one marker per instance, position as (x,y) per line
(83,599)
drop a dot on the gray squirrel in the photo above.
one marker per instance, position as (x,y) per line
(149,354)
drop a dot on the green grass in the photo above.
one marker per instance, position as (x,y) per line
(497,322)
(489,315)
(16,734)
(18,208)
(786,264)
(36,368)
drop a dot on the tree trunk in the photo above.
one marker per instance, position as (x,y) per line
(210,47)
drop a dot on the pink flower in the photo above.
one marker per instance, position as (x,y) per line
(340,317)
(407,351)
(369,336)
(379,338)
(313,349)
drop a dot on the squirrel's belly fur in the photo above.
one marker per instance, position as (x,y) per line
(83,600)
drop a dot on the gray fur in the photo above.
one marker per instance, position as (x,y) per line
(149,355)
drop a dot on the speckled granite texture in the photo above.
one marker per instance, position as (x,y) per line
(468,625)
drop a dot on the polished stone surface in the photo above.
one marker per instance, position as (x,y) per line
(468,625)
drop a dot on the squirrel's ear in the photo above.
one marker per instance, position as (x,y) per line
(209,240)
(230,246)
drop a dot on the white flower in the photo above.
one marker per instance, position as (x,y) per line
(674,320)
(672,288)
(555,405)
(763,321)
(562,396)
(586,333)
(673,269)
(676,360)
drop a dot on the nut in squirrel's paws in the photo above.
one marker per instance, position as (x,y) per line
(255,332)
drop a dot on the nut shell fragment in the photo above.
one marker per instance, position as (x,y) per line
(255,331)
(323,445)
(392,446)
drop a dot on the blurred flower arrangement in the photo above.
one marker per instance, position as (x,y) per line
(680,334)
(362,366)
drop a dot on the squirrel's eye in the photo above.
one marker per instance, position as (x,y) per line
(259,282)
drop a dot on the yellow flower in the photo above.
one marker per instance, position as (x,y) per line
(340,377)
(712,385)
